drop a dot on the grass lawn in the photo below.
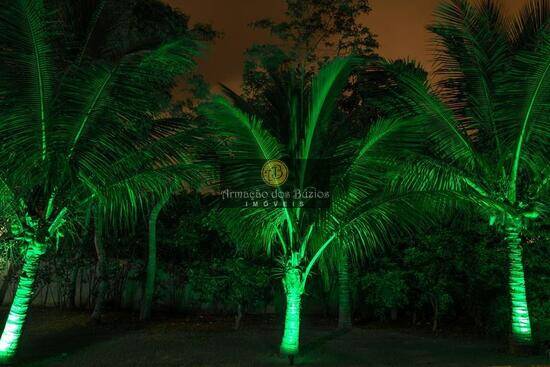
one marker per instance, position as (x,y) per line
(55,338)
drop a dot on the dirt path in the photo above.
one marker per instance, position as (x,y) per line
(66,339)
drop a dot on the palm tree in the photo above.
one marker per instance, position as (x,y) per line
(192,175)
(359,216)
(487,123)
(151,269)
(72,134)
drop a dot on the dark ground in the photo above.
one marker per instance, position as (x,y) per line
(53,338)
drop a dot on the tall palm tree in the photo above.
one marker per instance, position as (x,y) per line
(487,122)
(359,216)
(193,174)
(151,269)
(71,132)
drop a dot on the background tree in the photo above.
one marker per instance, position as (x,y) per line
(312,33)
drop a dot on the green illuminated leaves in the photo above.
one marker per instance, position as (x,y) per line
(27,72)
(530,86)
(248,138)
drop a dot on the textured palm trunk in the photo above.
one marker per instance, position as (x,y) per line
(290,344)
(344,306)
(71,295)
(151,266)
(101,272)
(151,275)
(19,308)
(521,325)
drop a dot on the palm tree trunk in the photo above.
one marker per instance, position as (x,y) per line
(151,271)
(238,317)
(101,271)
(293,289)
(19,308)
(147,304)
(6,282)
(344,307)
(521,326)
(71,294)
(435,318)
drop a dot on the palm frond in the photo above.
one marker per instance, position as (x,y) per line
(529,93)
(326,88)
(472,52)
(381,219)
(27,71)
(444,133)
(249,140)
(125,91)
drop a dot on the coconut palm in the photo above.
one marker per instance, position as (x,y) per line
(151,267)
(359,217)
(487,123)
(79,130)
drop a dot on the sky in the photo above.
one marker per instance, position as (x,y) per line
(400,27)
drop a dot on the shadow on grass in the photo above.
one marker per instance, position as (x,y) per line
(317,344)
(45,349)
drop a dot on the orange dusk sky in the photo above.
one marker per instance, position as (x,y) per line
(400,27)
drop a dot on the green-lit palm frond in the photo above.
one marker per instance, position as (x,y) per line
(529,108)
(426,174)
(143,169)
(254,230)
(380,220)
(359,166)
(362,169)
(249,140)
(326,88)
(26,74)
(472,55)
(364,211)
(126,90)
(244,143)
(447,136)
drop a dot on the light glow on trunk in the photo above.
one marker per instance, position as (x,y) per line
(290,344)
(521,325)
(19,308)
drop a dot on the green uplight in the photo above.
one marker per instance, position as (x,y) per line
(521,325)
(18,311)
(293,289)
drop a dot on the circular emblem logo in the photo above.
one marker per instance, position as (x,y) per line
(274,172)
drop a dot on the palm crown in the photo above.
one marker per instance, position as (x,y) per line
(359,217)
(80,124)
